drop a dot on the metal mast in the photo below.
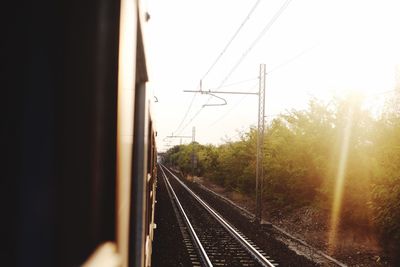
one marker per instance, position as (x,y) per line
(260,132)
(193,137)
(260,142)
(194,160)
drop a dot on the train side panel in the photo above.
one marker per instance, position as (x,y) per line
(79,180)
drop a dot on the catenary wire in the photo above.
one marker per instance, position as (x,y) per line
(260,35)
(218,58)
(234,106)
(292,59)
(264,30)
(233,37)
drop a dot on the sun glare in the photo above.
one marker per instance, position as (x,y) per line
(340,178)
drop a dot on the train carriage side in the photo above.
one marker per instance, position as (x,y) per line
(78,187)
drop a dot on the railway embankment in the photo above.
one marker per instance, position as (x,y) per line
(310,225)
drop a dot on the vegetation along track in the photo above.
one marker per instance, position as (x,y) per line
(219,243)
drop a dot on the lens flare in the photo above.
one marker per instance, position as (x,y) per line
(340,177)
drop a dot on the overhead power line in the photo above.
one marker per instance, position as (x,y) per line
(233,37)
(264,30)
(218,58)
(236,83)
(193,98)
(234,106)
(195,115)
(260,35)
(292,59)
(186,113)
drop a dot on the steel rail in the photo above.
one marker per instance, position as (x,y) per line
(280,230)
(196,239)
(253,251)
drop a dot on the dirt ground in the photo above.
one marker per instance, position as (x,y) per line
(309,224)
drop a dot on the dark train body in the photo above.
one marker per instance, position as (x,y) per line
(78,182)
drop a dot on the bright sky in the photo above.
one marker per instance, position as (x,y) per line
(330,47)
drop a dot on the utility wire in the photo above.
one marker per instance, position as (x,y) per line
(294,58)
(234,106)
(218,58)
(261,34)
(235,83)
(265,29)
(233,37)
(227,85)
(186,113)
(195,115)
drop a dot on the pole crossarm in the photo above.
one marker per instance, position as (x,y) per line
(220,92)
(178,136)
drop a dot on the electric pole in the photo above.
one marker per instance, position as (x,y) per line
(193,137)
(194,160)
(260,143)
(260,132)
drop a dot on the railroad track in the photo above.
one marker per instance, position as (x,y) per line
(218,243)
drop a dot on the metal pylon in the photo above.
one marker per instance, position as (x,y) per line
(260,142)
